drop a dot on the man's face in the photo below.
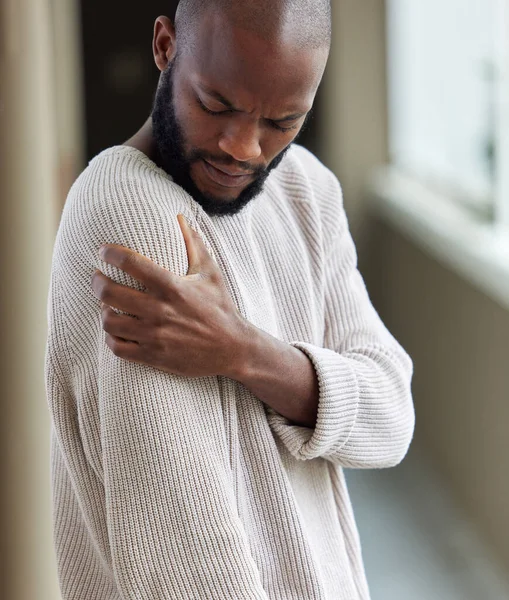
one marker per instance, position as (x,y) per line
(226,112)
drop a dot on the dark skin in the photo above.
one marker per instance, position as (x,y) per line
(190,325)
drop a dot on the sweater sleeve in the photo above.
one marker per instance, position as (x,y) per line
(365,411)
(146,450)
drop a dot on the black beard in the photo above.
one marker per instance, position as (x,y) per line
(169,139)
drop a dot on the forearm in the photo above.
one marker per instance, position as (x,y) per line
(278,374)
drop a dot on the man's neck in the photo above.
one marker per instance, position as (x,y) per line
(143,140)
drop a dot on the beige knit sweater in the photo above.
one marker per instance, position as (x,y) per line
(173,488)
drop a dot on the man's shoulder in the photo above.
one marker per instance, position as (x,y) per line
(120,191)
(300,158)
(119,173)
(301,165)
(305,178)
(121,197)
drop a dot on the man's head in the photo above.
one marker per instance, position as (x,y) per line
(238,80)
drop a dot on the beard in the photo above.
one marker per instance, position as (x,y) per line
(173,158)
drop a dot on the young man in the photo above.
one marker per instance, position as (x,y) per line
(209,377)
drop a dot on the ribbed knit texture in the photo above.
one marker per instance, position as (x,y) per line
(170,488)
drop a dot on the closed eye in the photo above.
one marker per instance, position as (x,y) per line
(273,124)
(284,129)
(212,112)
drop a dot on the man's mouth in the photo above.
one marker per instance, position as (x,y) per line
(225,176)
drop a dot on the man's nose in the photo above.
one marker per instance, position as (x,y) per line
(241,141)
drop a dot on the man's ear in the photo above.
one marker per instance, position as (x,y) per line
(164,44)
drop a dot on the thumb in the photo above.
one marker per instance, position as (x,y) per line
(194,245)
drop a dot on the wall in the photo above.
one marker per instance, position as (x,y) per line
(354,123)
(120,76)
(28,189)
(459,340)
(40,154)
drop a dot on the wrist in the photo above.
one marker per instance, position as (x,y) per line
(241,350)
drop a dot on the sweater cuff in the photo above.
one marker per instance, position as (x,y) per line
(337,407)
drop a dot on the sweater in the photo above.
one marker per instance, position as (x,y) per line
(166,487)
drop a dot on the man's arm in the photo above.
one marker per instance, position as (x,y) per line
(155,442)
(279,374)
(350,400)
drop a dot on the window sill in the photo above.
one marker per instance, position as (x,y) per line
(446,231)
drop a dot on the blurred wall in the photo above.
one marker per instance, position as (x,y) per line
(353,127)
(458,338)
(40,154)
(69,92)
(28,189)
(120,76)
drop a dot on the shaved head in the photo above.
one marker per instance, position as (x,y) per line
(304,23)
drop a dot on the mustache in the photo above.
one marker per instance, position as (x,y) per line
(226,161)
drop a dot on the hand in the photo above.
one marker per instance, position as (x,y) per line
(183,325)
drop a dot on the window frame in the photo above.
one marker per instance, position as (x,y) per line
(502,135)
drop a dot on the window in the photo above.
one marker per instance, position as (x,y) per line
(449,98)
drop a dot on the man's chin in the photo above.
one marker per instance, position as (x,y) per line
(216,200)
(221,205)
(220,199)
(226,205)
(213,191)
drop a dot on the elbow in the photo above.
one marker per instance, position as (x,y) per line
(383,454)
(395,439)
(399,432)
(398,450)
(396,434)
(385,422)
(394,425)
(381,443)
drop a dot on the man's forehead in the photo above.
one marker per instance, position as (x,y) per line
(231,56)
(307,23)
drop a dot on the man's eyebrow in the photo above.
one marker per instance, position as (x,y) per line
(220,98)
(290,117)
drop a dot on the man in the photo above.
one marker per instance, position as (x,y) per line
(210,374)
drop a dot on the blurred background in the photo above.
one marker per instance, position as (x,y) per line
(413,117)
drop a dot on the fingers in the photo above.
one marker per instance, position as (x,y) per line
(119,296)
(141,268)
(124,327)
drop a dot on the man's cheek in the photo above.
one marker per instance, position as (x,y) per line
(203,138)
(200,131)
